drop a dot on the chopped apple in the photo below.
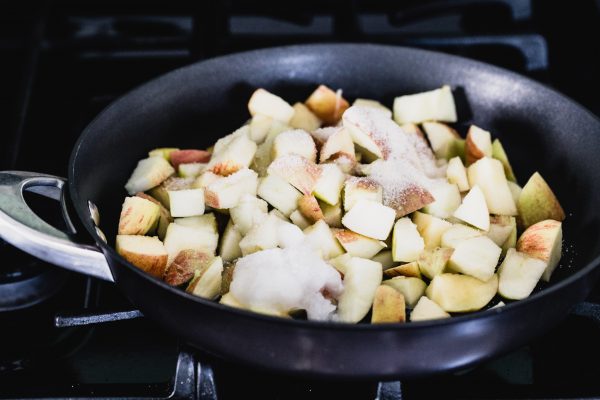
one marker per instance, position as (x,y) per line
(515,190)
(279,193)
(332,215)
(180,237)
(226,277)
(310,208)
(373,104)
(511,241)
(410,269)
(295,141)
(164,152)
(262,157)
(411,288)
(230,243)
(164,218)
(179,157)
(206,223)
(259,128)
(138,216)
(473,209)
(266,103)
(145,252)
(248,212)
(191,170)
(340,262)
(183,266)
(457,233)
(407,244)
(205,179)
(262,236)
(501,227)
(427,310)
(461,293)
(537,202)
(499,154)
(304,118)
(388,306)
(477,257)
(430,228)
(441,137)
(433,262)
(207,283)
(358,245)
(329,184)
(365,125)
(186,202)
(371,219)
(228,300)
(434,105)
(298,171)
(361,279)
(447,199)
(543,240)
(356,189)
(148,173)
(327,105)
(323,239)
(234,154)
(227,192)
(339,143)
(478,144)
(385,258)
(300,220)
(279,215)
(519,274)
(488,174)
(161,194)
(457,173)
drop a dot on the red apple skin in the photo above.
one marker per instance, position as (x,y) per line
(188,156)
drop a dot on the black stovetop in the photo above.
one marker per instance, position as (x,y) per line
(63,62)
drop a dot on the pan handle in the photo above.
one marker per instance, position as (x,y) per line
(22,228)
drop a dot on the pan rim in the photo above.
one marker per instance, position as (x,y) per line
(328,325)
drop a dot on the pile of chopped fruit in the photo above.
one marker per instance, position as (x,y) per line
(344,213)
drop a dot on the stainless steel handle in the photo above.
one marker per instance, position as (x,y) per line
(22,228)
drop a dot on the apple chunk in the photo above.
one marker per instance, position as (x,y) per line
(180,237)
(358,245)
(323,239)
(433,262)
(181,270)
(249,211)
(148,173)
(207,282)
(138,216)
(266,103)
(537,202)
(411,288)
(298,171)
(327,105)
(478,144)
(186,202)
(164,152)
(356,189)
(407,244)
(374,104)
(488,174)
(385,258)
(461,293)
(179,157)
(232,153)
(361,279)
(458,233)
(442,139)
(370,218)
(300,220)
(457,173)
(477,257)
(329,184)
(434,105)
(230,243)
(279,193)
(543,240)
(304,118)
(337,144)
(501,228)
(164,218)
(295,141)
(226,192)
(519,274)
(388,306)
(310,208)
(447,199)
(473,209)
(499,154)
(430,228)
(410,269)
(145,252)
(427,310)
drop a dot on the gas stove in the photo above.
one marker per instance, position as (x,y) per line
(71,336)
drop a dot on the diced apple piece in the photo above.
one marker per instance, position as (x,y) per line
(447,199)
(207,283)
(373,104)
(179,157)
(226,276)
(441,137)
(519,274)
(501,227)
(249,211)
(515,190)
(228,300)
(477,257)
(259,128)
(361,279)
(322,238)
(138,216)
(191,170)
(371,219)
(164,152)
(430,228)
(298,171)
(161,194)
(356,189)
(262,236)
(148,173)
(364,124)
(206,223)
(499,154)
(411,288)
(230,243)
(279,193)
(388,306)
(234,154)
(488,174)
(299,220)
(511,241)
(427,310)
(407,244)
(543,240)
(186,202)
(340,262)
(304,118)
(434,105)
(182,269)
(537,202)
(205,179)
(327,105)
(433,262)
(461,293)
(473,209)
(457,173)
(458,233)
(227,192)
(164,218)
(295,141)
(339,143)
(385,258)
(310,208)
(410,269)
(145,252)
(266,103)
(358,245)
(180,237)
(478,144)
(329,184)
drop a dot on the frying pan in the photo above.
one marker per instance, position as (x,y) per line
(195,105)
